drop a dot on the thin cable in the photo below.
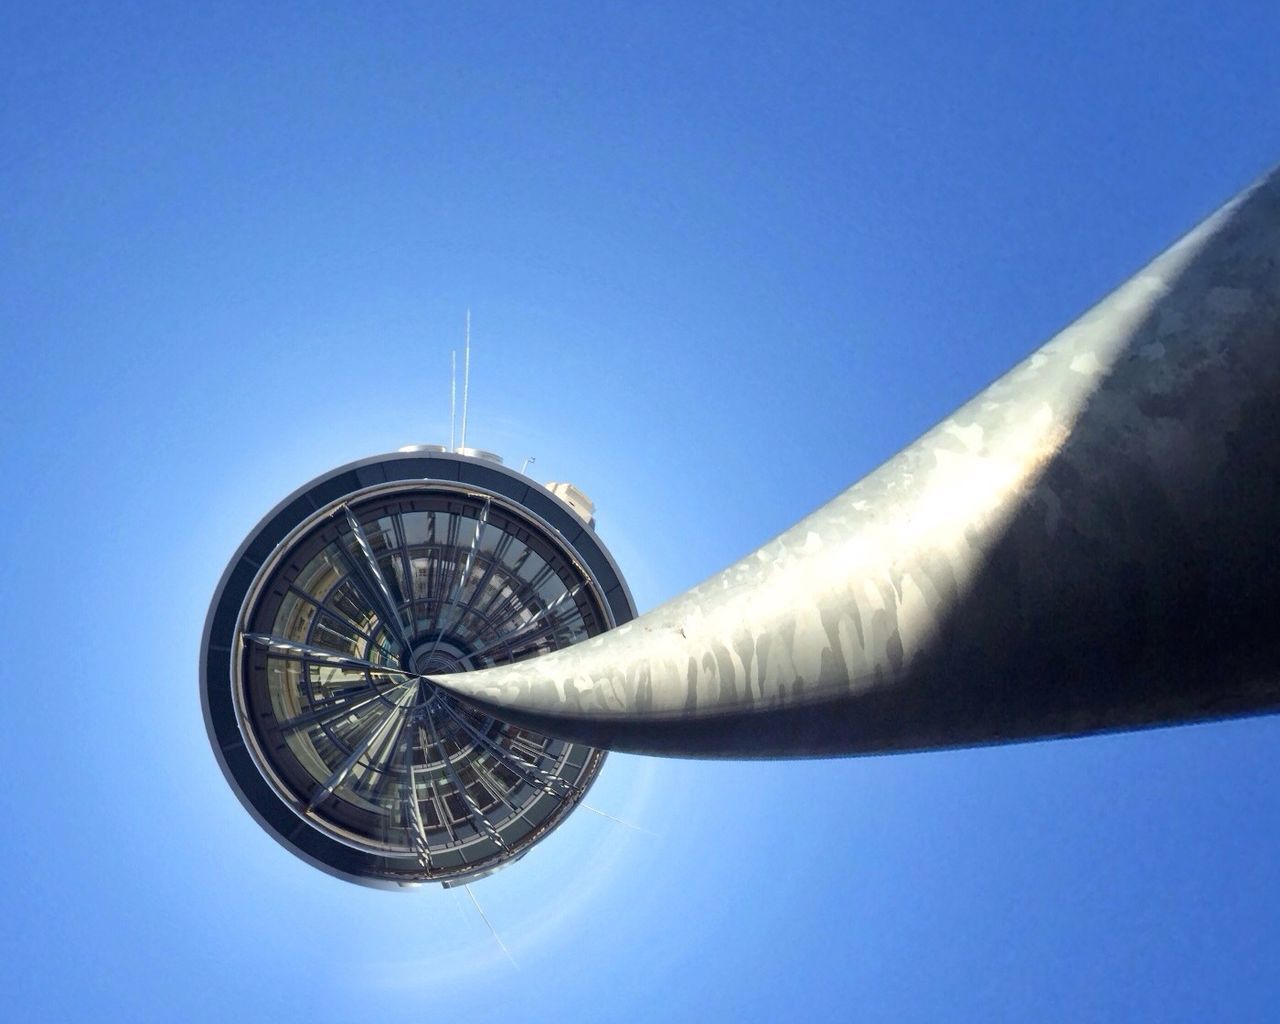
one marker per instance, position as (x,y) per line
(466,378)
(492,930)
(458,905)
(453,397)
(624,824)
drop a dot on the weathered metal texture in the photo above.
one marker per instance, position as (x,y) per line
(1092,543)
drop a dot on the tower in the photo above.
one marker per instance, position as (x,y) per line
(322,632)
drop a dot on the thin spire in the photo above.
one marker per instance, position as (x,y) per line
(453,396)
(466,378)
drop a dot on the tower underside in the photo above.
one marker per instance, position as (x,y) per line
(322,635)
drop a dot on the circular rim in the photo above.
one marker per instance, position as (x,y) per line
(320,523)
(382,472)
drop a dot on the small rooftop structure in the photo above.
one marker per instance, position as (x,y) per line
(576,500)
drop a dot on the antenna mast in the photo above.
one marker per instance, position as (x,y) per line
(453,396)
(466,378)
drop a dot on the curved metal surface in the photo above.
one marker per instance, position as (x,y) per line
(1091,543)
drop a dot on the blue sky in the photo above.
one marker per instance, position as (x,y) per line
(721,263)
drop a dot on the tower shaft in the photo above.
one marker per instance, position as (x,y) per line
(1092,543)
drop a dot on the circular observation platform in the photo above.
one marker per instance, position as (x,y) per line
(322,632)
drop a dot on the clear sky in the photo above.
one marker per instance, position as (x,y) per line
(722,261)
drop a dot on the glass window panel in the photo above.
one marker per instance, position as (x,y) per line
(350,602)
(382,534)
(293,620)
(551,588)
(490,538)
(533,565)
(335,635)
(284,677)
(319,575)
(417,527)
